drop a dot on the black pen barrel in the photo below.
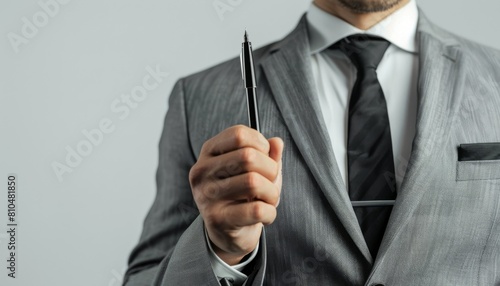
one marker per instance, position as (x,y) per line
(253,111)
(249,74)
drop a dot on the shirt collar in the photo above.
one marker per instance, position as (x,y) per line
(399,28)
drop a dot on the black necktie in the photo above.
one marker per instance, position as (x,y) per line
(369,146)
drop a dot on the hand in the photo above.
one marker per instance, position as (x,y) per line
(236,185)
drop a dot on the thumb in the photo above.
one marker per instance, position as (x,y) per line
(276,146)
(276,153)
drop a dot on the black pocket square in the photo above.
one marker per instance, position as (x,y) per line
(479,152)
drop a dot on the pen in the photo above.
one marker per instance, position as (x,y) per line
(248,74)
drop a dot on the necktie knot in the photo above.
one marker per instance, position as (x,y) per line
(364,51)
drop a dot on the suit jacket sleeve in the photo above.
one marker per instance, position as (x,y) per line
(172,249)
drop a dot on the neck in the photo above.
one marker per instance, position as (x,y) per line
(363,21)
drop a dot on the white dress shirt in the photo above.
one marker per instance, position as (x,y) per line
(335,76)
(397,72)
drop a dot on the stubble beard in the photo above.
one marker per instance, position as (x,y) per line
(368,6)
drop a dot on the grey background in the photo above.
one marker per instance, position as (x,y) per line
(80,230)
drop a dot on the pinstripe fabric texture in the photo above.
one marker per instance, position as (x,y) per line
(445,225)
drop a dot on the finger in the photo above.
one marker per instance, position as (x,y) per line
(276,153)
(242,161)
(278,182)
(234,138)
(246,214)
(249,187)
(276,147)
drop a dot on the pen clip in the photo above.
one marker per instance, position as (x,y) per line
(241,65)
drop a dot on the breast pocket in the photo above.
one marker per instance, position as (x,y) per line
(478,161)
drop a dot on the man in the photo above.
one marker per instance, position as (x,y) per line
(366,102)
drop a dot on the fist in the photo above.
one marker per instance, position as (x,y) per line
(236,184)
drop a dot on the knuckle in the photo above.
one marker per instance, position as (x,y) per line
(239,135)
(257,211)
(205,147)
(196,174)
(248,155)
(252,181)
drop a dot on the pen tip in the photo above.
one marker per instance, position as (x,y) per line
(245,36)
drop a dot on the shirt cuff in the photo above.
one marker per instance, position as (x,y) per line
(224,270)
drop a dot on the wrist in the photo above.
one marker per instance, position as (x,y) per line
(229,258)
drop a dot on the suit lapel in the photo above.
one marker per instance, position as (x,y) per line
(289,73)
(439,97)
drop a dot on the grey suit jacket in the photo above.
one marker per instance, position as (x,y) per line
(445,225)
